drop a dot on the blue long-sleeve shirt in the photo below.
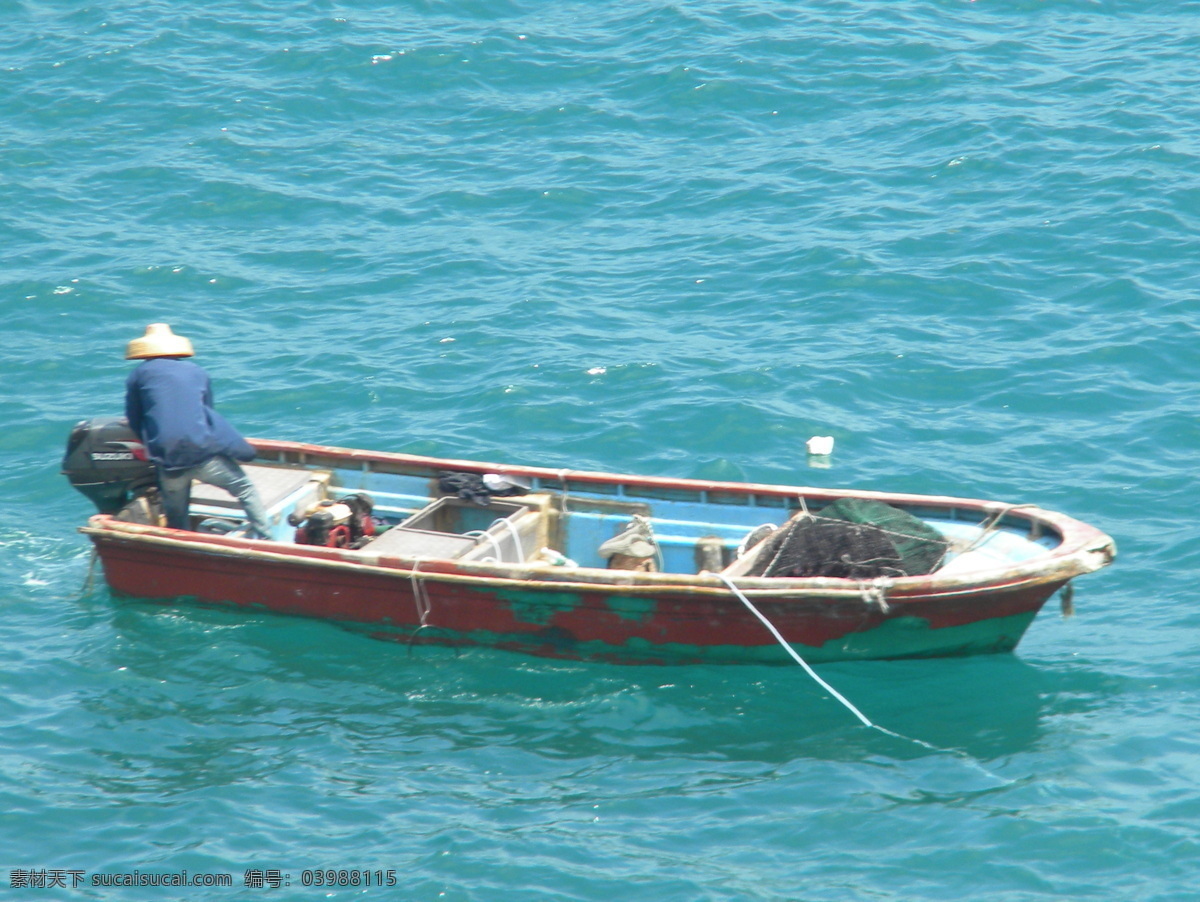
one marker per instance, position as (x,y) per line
(169,403)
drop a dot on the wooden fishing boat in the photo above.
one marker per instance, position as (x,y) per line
(529,572)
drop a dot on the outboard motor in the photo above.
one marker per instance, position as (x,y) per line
(108,463)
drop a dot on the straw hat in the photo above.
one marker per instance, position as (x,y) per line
(159,341)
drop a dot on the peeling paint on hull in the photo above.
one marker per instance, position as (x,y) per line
(673,628)
(909,638)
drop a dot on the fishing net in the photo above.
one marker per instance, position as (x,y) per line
(852,539)
(920,546)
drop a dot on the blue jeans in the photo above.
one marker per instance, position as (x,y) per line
(176,489)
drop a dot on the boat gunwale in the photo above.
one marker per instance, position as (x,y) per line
(1082,548)
(102,528)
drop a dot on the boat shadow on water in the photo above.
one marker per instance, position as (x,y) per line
(316,676)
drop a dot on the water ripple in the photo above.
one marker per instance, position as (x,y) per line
(678,240)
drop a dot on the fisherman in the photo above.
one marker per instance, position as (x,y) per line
(169,403)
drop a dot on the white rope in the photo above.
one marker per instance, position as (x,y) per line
(562,477)
(791,651)
(480,534)
(875,592)
(841,698)
(516,537)
(420,594)
(991,524)
(658,554)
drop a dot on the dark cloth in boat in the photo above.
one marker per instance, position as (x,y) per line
(471,487)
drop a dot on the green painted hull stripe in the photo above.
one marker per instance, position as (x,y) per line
(903,637)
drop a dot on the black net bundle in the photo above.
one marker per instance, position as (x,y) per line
(853,539)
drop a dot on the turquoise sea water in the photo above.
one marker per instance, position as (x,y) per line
(670,239)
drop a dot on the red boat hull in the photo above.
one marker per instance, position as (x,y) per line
(609,623)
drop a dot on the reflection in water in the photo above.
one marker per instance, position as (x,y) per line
(299,674)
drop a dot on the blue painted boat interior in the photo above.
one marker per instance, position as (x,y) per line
(680,519)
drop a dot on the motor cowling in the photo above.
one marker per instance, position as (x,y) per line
(106,462)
